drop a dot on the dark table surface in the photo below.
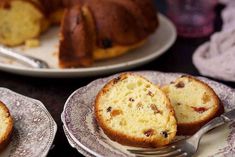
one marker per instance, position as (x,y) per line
(54,92)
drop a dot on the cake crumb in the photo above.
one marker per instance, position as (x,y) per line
(32,43)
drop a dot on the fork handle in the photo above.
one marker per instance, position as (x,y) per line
(229,116)
(30,61)
(218,121)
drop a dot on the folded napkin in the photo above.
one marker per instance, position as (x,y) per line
(216,58)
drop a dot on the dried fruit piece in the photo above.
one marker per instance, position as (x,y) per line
(178,103)
(199,109)
(164,134)
(109,109)
(116,80)
(149,132)
(116,113)
(180,85)
(131,99)
(155,109)
(107,43)
(150,93)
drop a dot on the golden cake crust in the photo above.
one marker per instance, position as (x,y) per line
(193,127)
(6,134)
(127,139)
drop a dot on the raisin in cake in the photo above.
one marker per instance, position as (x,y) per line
(133,111)
(194,102)
(6,126)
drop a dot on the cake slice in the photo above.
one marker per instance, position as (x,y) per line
(20,20)
(133,111)
(6,126)
(194,102)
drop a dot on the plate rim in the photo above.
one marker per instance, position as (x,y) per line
(52,122)
(74,140)
(82,72)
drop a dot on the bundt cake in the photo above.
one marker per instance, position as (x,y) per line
(194,102)
(133,111)
(90,29)
(6,126)
(19,21)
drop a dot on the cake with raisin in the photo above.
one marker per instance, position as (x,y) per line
(133,111)
(91,30)
(194,102)
(6,126)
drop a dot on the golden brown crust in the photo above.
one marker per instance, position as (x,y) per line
(191,128)
(121,137)
(6,138)
(75,49)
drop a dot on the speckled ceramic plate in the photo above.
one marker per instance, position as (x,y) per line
(87,137)
(157,44)
(34,128)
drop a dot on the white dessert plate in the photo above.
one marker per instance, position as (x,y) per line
(34,128)
(87,137)
(156,45)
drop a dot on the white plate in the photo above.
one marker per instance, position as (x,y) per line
(34,128)
(157,44)
(87,137)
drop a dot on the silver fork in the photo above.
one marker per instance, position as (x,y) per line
(189,146)
(27,60)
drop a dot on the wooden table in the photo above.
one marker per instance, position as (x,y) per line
(54,92)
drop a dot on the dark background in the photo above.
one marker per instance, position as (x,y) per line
(54,92)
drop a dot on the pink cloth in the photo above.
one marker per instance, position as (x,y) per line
(216,58)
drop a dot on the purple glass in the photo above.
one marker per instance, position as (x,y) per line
(193,18)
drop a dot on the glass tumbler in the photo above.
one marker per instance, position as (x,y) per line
(192,18)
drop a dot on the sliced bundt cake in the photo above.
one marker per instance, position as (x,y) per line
(133,111)
(103,29)
(20,20)
(90,29)
(6,126)
(194,102)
